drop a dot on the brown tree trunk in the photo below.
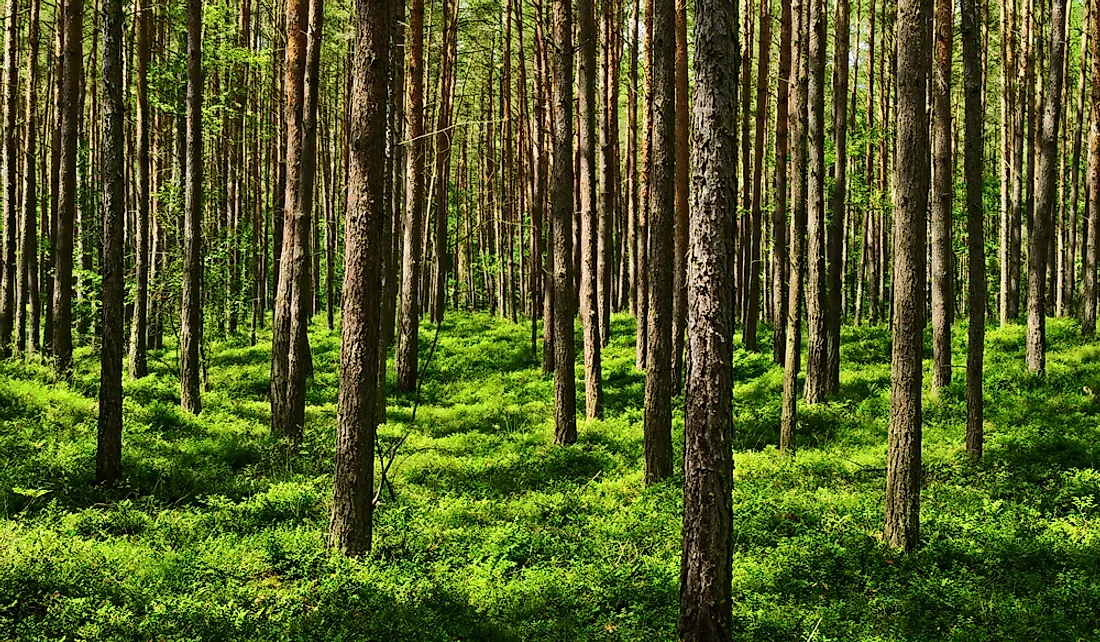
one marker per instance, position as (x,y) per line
(817,295)
(752,306)
(680,238)
(360,359)
(586,139)
(191,317)
(943,190)
(409,311)
(973,165)
(797,117)
(658,382)
(1092,182)
(443,135)
(706,562)
(780,261)
(109,448)
(837,225)
(27,265)
(1039,238)
(561,204)
(139,366)
(911,185)
(11,181)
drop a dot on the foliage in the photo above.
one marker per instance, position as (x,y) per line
(217,531)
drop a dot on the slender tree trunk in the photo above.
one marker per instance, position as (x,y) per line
(797,117)
(911,185)
(780,265)
(707,554)
(139,366)
(943,190)
(360,358)
(561,204)
(974,163)
(817,295)
(837,225)
(11,181)
(409,312)
(191,321)
(109,449)
(752,316)
(586,139)
(1092,187)
(1048,158)
(443,137)
(27,265)
(680,234)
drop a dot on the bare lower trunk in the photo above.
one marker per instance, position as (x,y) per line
(974,160)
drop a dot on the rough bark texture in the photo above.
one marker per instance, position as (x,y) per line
(27,266)
(561,211)
(837,225)
(943,191)
(1092,182)
(443,136)
(707,554)
(109,448)
(973,167)
(780,281)
(1039,238)
(680,238)
(409,311)
(191,314)
(586,142)
(360,357)
(763,80)
(658,381)
(11,163)
(817,295)
(797,116)
(139,366)
(911,185)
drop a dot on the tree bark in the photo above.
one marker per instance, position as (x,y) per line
(1039,238)
(706,565)
(360,358)
(752,315)
(780,261)
(817,295)
(837,224)
(1092,181)
(11,181)
(911,185)
(561,211)
(27,334)
(191,329)
(586,141)
(943,191)
(139,366)
(682,211)
(973,165)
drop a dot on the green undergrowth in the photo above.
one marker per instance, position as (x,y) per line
(492,533)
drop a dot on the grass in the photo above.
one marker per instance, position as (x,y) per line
(217,531)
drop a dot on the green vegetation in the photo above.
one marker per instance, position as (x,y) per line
(217,531)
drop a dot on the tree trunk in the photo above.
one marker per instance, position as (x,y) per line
(139,366)
(109,449)
(27,265)
(409,311)
(191,318)
(817,295)
(707,555)
(911,185)
(1040,234)
(973,165)
(752,315)
(837,225)
(780,280)
(943,191)
(11,181)
(680,238)
(1092,182)
(360,358)
(443,137)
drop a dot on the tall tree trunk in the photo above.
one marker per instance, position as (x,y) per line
(561,204)
(837,225)
(1092,182)
(28,243)
(1039,239)
(109,448)
(680,238)
(11,181)
(191,317)
(360,358)
(139,366)
(707,553)
(911,185)
(752,316)
(409,312)
(973,165)
(658,381)
(817,295)
(443,137)
(780,281)
(943,190)
(586,139)
(797,117)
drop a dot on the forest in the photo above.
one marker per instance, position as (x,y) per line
(549,320)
